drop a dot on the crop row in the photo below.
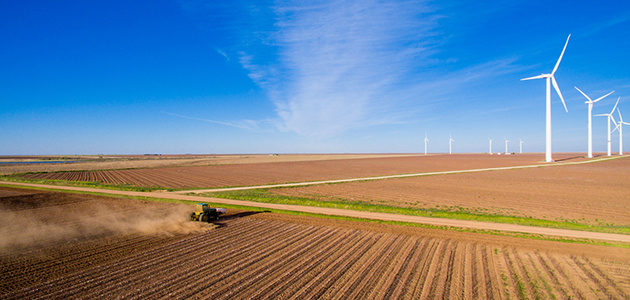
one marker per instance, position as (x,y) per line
(249,258)
(281,172)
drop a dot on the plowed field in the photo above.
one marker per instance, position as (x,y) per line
(283,257)
(595,192)
(282,172)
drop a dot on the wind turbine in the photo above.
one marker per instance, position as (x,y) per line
(521,145)
(426,140)
(620,126)
(610,117)
(550,79)
(506,149)
(490,151)
(450,139)
(590,119)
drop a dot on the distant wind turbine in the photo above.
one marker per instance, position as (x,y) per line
(426,140)
(590,119)
(490,151)
(610,117)
(620,126)
(450,139)
(550,79)
(521,145)
(506,148)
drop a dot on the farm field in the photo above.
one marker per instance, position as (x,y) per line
(591,193)
(108,162)
(294,171)
(274,256)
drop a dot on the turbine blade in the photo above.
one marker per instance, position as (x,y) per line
(555,86)
(587,97)
(616,127)
(562,54)
(620,118)
(601,115)
(602,97)
(535,77)
(612,111)
(626,123)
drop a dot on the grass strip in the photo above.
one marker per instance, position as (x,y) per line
(266,196)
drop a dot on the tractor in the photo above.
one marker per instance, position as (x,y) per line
(203,213)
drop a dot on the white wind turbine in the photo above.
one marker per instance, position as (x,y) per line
(550,79)
(450,139)
(490,151)
(426,140)
(506,149)
(620,126)
(590,119)
(610,117)
(521,145)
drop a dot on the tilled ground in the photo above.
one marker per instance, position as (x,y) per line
(591,193)
(295,171)
(275,256)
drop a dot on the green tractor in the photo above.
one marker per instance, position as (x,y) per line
(203,213)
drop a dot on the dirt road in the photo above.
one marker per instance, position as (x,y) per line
(351,213)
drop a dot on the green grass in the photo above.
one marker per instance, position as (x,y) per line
(266,196)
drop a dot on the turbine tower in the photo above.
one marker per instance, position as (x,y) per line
(490,151)
(620,126)
(610,117)
(426,140)
(550,79)
(590,119)
(506,149)
(450,139)
(521,145)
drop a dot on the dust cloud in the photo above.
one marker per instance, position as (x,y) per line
(24,229)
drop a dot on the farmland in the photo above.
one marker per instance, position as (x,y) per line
(10,165)
(275,256)
(246,174)
(593,194)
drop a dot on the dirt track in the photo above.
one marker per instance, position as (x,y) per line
(275,256)
(356,214)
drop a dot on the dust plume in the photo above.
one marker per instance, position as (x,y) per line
(29,228)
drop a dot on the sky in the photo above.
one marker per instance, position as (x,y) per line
(256,76)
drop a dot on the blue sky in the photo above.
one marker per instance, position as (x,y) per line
(120,77)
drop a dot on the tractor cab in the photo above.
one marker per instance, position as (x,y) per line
(203,213)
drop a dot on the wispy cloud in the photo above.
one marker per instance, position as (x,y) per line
(594,29)
(337,60)
(334,66)
(254,125)
(222,53)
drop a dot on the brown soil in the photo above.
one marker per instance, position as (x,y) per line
(276,256)
(110,162)
(296,171)
(587,193)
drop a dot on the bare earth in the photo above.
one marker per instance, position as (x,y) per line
(588,193)
(272,256)
(248,174)
(141,162)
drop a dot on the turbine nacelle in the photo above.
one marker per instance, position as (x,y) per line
(590,101)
